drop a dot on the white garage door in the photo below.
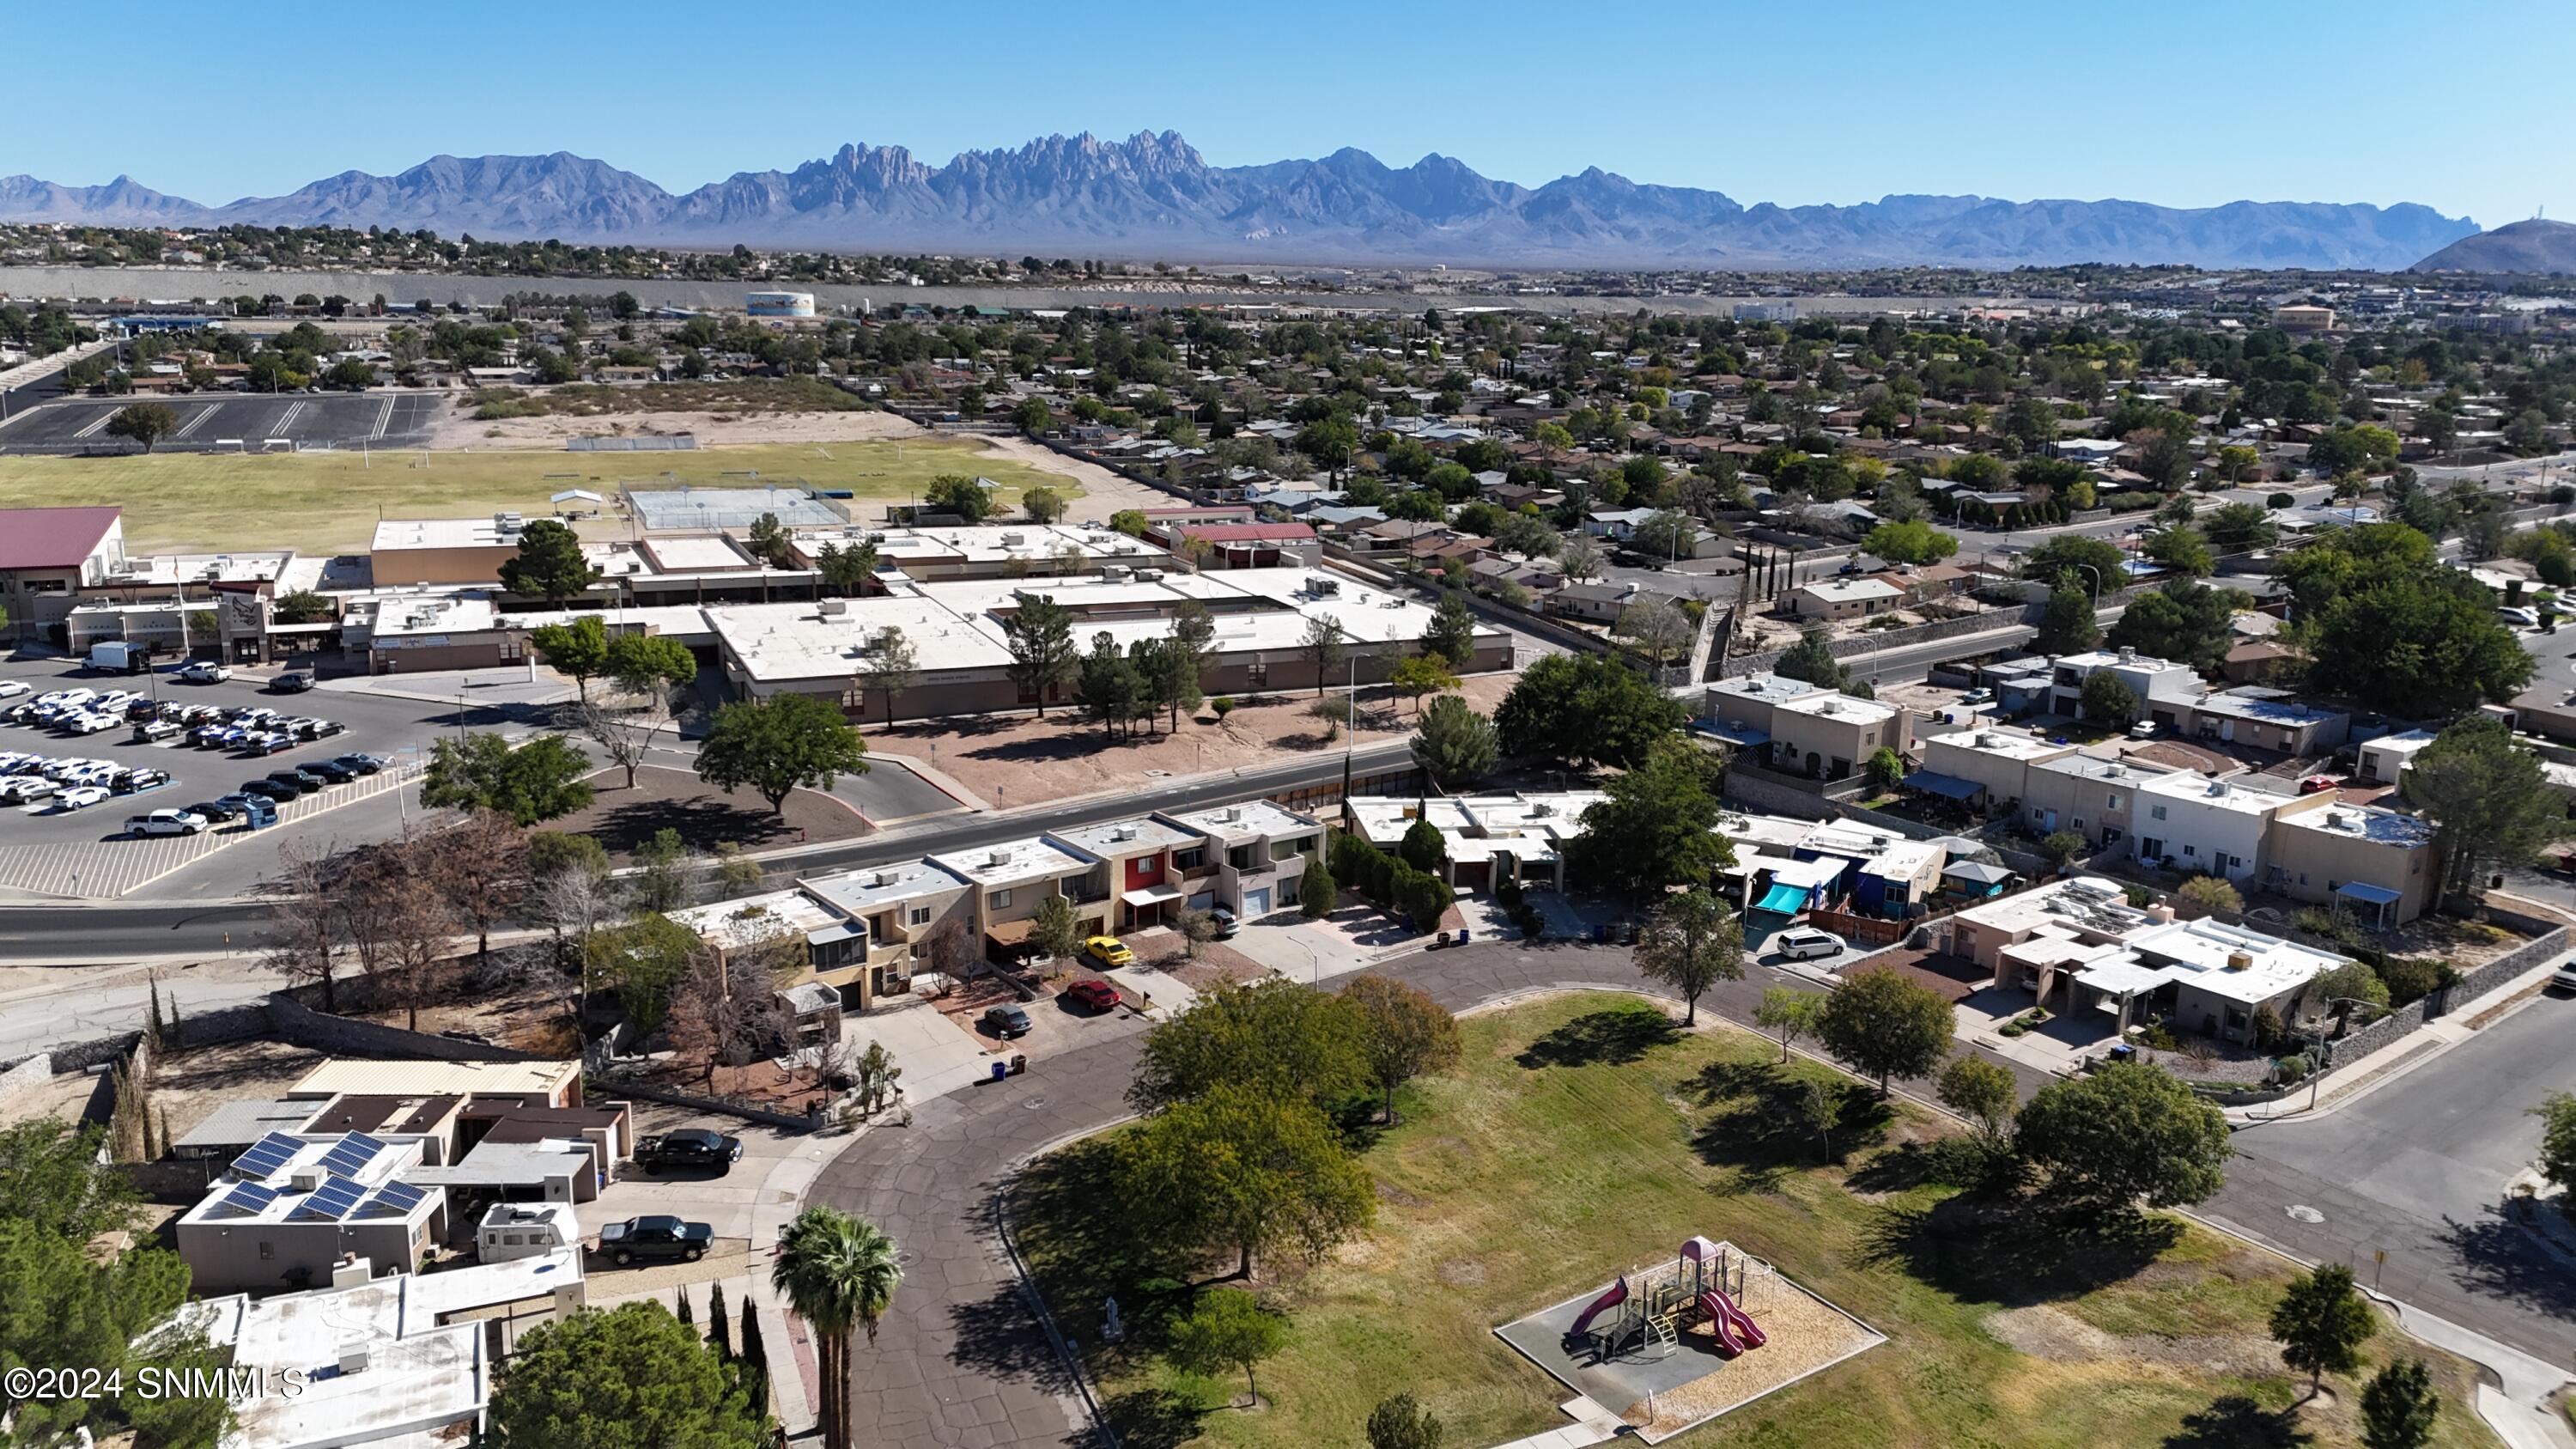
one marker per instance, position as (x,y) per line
(1256,904)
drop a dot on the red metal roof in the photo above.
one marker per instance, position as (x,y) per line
(52,538)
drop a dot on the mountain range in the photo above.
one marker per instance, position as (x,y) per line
(1153,196)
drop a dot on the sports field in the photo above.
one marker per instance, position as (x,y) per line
(330,502)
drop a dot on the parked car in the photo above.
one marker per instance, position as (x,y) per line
(135,782)
(167,822)
(12,688)
(2564,978)
(267,742)
(92,722)
(141,709)
(23,789)
(331,770)
(2517,614)
(206,671)
(273,789)
(655,1237)
(299,779)
(1109,951)
(242,803)
(218,811)
(1979,695)
(689,1147)
(2145,729)
(363,764)
(1225,923)
(2319,784)
(152,730)
(1006,1021)
(1805,945)
(292,682)
(316,729)
(1097,995)
(81,797)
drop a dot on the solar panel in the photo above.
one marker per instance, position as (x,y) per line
(352,1152)
(332,1200)
(248,1199)
(267,1155)
(394,1199)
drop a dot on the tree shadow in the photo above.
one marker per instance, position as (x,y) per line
(2015,1254)
(1000,1338)
(1762,1129)
(2237,1422)
(1613,1037)
(1151,1419)
(1083,1248)
(2499,1259)
(1076,743)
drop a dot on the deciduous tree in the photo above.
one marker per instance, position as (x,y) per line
(1403,1033)
(1245,1168)
(1227,1328)
(2126,1134)
(778,745)
(1881,1025)
(2321,1322)
(1691,942)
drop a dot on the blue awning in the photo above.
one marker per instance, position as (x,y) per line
(2367,894)
(1783,900)
(1939,784)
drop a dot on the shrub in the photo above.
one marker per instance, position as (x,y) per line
(1973,1163)
(2270,1036)
(1223,704)
(2292,1068)
(2281,500)
(2414,978)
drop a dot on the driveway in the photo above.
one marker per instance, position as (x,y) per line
(937,1052)
(2417,1169)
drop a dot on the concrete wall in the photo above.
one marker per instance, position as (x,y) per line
(2472,985)
(291,1020)
(26,1076)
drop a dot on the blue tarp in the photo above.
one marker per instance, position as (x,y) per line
(1939,784)
(1783,900)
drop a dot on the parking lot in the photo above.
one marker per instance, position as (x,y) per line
(84,852)
(235,421)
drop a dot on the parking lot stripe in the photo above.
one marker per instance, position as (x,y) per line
(384,419)
(189,428)
(96,423)
(109,868)
(287,418)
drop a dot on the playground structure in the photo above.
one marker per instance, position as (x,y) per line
(1705,1283)
(1748,1331)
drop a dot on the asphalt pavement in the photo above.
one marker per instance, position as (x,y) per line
(235,421)
(2416,1168)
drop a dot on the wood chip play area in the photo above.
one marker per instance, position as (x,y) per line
(1675,1344)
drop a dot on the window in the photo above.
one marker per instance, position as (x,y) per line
(2159,812)
(267,1249)
(2079,824)
(2111,801)
(1256,674)
(1190,859)
(999,900)
(2191,850)
(919,916)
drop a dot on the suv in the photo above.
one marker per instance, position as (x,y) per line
(292,682)
(655,1237)
(697,1147)
(1803,945)
(276,790)
(300,779)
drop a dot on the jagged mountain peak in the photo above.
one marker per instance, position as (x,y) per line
(1153,195)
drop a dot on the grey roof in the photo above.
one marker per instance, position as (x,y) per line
(239,1124)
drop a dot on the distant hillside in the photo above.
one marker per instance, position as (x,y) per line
(2523,246)
(1153,196)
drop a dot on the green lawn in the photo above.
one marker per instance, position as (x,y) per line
(1585,1136)
(329,502)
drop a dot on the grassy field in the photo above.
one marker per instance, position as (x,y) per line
(329,502)
(1586,1136)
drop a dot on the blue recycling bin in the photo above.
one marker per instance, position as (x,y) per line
(259,812)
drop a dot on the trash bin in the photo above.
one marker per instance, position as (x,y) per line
(1001,1070)
(1019,1063)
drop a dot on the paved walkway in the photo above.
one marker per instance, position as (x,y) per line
(961,1361)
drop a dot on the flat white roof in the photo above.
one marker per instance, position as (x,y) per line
(1842,591)
(1841,707)
(1249,820)
(1115,839)
(2213,794)
(431,1079)
(394,534)
(2001,744)
(861,891)
(741,922)
(1012,861)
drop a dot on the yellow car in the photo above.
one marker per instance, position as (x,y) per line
(1108,951)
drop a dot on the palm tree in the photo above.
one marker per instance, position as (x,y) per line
(837,1272)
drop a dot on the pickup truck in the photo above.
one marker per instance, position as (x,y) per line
(654,1237)
(688,1147)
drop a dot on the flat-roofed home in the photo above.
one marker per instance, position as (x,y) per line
(286,1210)
(558,1082)
(1251,857)
(1827,736)
(1138,856)
(1009,880)
(919,918)
(2379,865)
(2268,719)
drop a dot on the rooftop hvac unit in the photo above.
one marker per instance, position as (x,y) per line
(1123,832)
(1116,573)
(2240,961)
(1328,587)
(508,522)
(1014,539)
(997,857)
(835,608)
(1149,576)
(1231,812)
(353,1359)
(305,1179)
(881,879)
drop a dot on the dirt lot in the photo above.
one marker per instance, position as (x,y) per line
(1009,761)
(461,429)
(1103,492)
(624,820)
(187,1086)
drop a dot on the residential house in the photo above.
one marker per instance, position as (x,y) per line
(912,914)
(1983,768)
(2164,688)
(2085,795)
(2268,719)
(1845,598)
(2201,826)
(286,1211)
(2379,864)
(1138,857)
(2383,761)
(1828,735)
(1488,838)
(1009,880)
(1249,858)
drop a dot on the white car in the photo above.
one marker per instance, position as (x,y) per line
(166,822)
(2516,614)
(2564,978)
(1805,945)
(63,698)
(19,789)
(206,672)
(92,722)
(12,688)
(81,797)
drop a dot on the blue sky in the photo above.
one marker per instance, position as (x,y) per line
(2185,103)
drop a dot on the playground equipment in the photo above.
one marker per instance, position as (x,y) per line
(1650,1309)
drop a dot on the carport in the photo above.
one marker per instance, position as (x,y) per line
(1145,904)
(1948,787)
(2378,898)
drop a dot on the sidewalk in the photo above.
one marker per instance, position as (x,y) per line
(2340,1088)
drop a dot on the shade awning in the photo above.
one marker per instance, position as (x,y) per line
(1152,895)
(1948,786)
(2367,894)
(1783,900)
(1979,872)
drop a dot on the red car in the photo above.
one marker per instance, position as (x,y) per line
(1098,995)
(2318,784)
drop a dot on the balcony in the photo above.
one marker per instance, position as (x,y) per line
(1196,872)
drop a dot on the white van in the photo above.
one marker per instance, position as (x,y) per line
(525,1230)
(1806,945)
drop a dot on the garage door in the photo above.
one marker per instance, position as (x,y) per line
(1202,901)
(1256,904)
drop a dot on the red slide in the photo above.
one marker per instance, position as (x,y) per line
(1736,1331)
(1617,1295)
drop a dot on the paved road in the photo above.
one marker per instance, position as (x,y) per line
(385,418)
(2418,1168)
(960,1361)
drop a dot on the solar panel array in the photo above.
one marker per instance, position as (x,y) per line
(248,1199)
(331,1201)
(394,1199)
(351,1153)
(267,1155)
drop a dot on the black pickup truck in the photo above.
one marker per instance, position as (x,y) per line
(690,1147)
(655,1237)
